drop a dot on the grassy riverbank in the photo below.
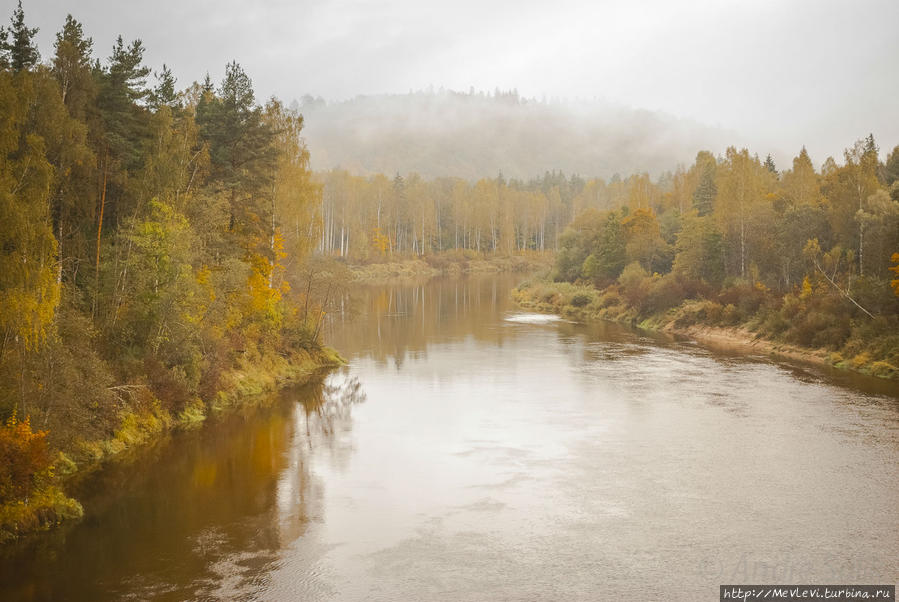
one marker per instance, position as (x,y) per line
(141,421)
(741,318)
(451,263)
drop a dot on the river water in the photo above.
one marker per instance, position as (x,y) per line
(471,451)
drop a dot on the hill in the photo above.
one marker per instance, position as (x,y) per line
(473,135)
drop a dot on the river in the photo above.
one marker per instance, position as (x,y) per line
(471,451)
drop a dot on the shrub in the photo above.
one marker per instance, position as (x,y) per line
(773,323)
(581,300)
(884,370)
(744,296)
(860,360)
(609,299)
(816,328)
(635,284)
(23,458)
(698,312)
(665,292)
(731,316)
(792,305)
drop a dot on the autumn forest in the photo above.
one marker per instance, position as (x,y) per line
(166,248)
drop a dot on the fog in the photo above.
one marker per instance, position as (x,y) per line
(473,135)
(780,75)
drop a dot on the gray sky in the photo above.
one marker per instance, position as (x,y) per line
(782,73)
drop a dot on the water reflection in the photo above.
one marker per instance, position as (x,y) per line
(391,322)
(497,456)
(197,516)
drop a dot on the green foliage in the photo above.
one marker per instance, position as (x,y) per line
(665,292)
(145,240)
(581,300)
(644,241)
(72,67)
(608,255)
(242,152)
(19,50)
(891,167)
(706,190)
(47,506)
(635,284)
(29,291)
(699,251)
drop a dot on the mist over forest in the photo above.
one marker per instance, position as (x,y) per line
(474,135)
(179,249)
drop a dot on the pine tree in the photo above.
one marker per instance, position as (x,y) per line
(21,50)
(4,49)
(72,67)
(891,168)
(123,87)
(607,260)
(706,191)
(242,156)
(164,93)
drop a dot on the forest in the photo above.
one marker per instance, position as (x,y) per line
(166,249)
(152,247)
(803,256)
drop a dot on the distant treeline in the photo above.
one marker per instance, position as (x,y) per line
(739,217)
(751,219)
(800,256)
(149,242)
(369,218)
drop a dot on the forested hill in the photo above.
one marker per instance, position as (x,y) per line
(474,135)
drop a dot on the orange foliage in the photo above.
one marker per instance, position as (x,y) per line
(23,456)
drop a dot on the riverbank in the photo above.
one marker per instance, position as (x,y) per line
(709,322)
(143,421)
(449,263)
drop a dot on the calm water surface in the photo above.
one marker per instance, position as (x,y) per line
(473,452)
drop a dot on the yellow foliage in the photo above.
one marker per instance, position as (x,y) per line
(380,241)
(806,289)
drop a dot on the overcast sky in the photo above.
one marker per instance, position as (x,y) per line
(783,73)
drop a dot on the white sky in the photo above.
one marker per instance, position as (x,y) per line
(782,73)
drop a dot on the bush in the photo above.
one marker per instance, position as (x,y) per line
(744,296)
(731,316)
(609,299)
(48,506)
(698,312)
(665,292)
(792,305)
(635,284)
(884,370)
(773,323)
(23,458)
(581,300)
(815,328)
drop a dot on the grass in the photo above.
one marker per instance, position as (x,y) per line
(448,263)
(46,508)
(148,423)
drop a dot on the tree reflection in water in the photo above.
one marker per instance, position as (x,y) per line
(330,406)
